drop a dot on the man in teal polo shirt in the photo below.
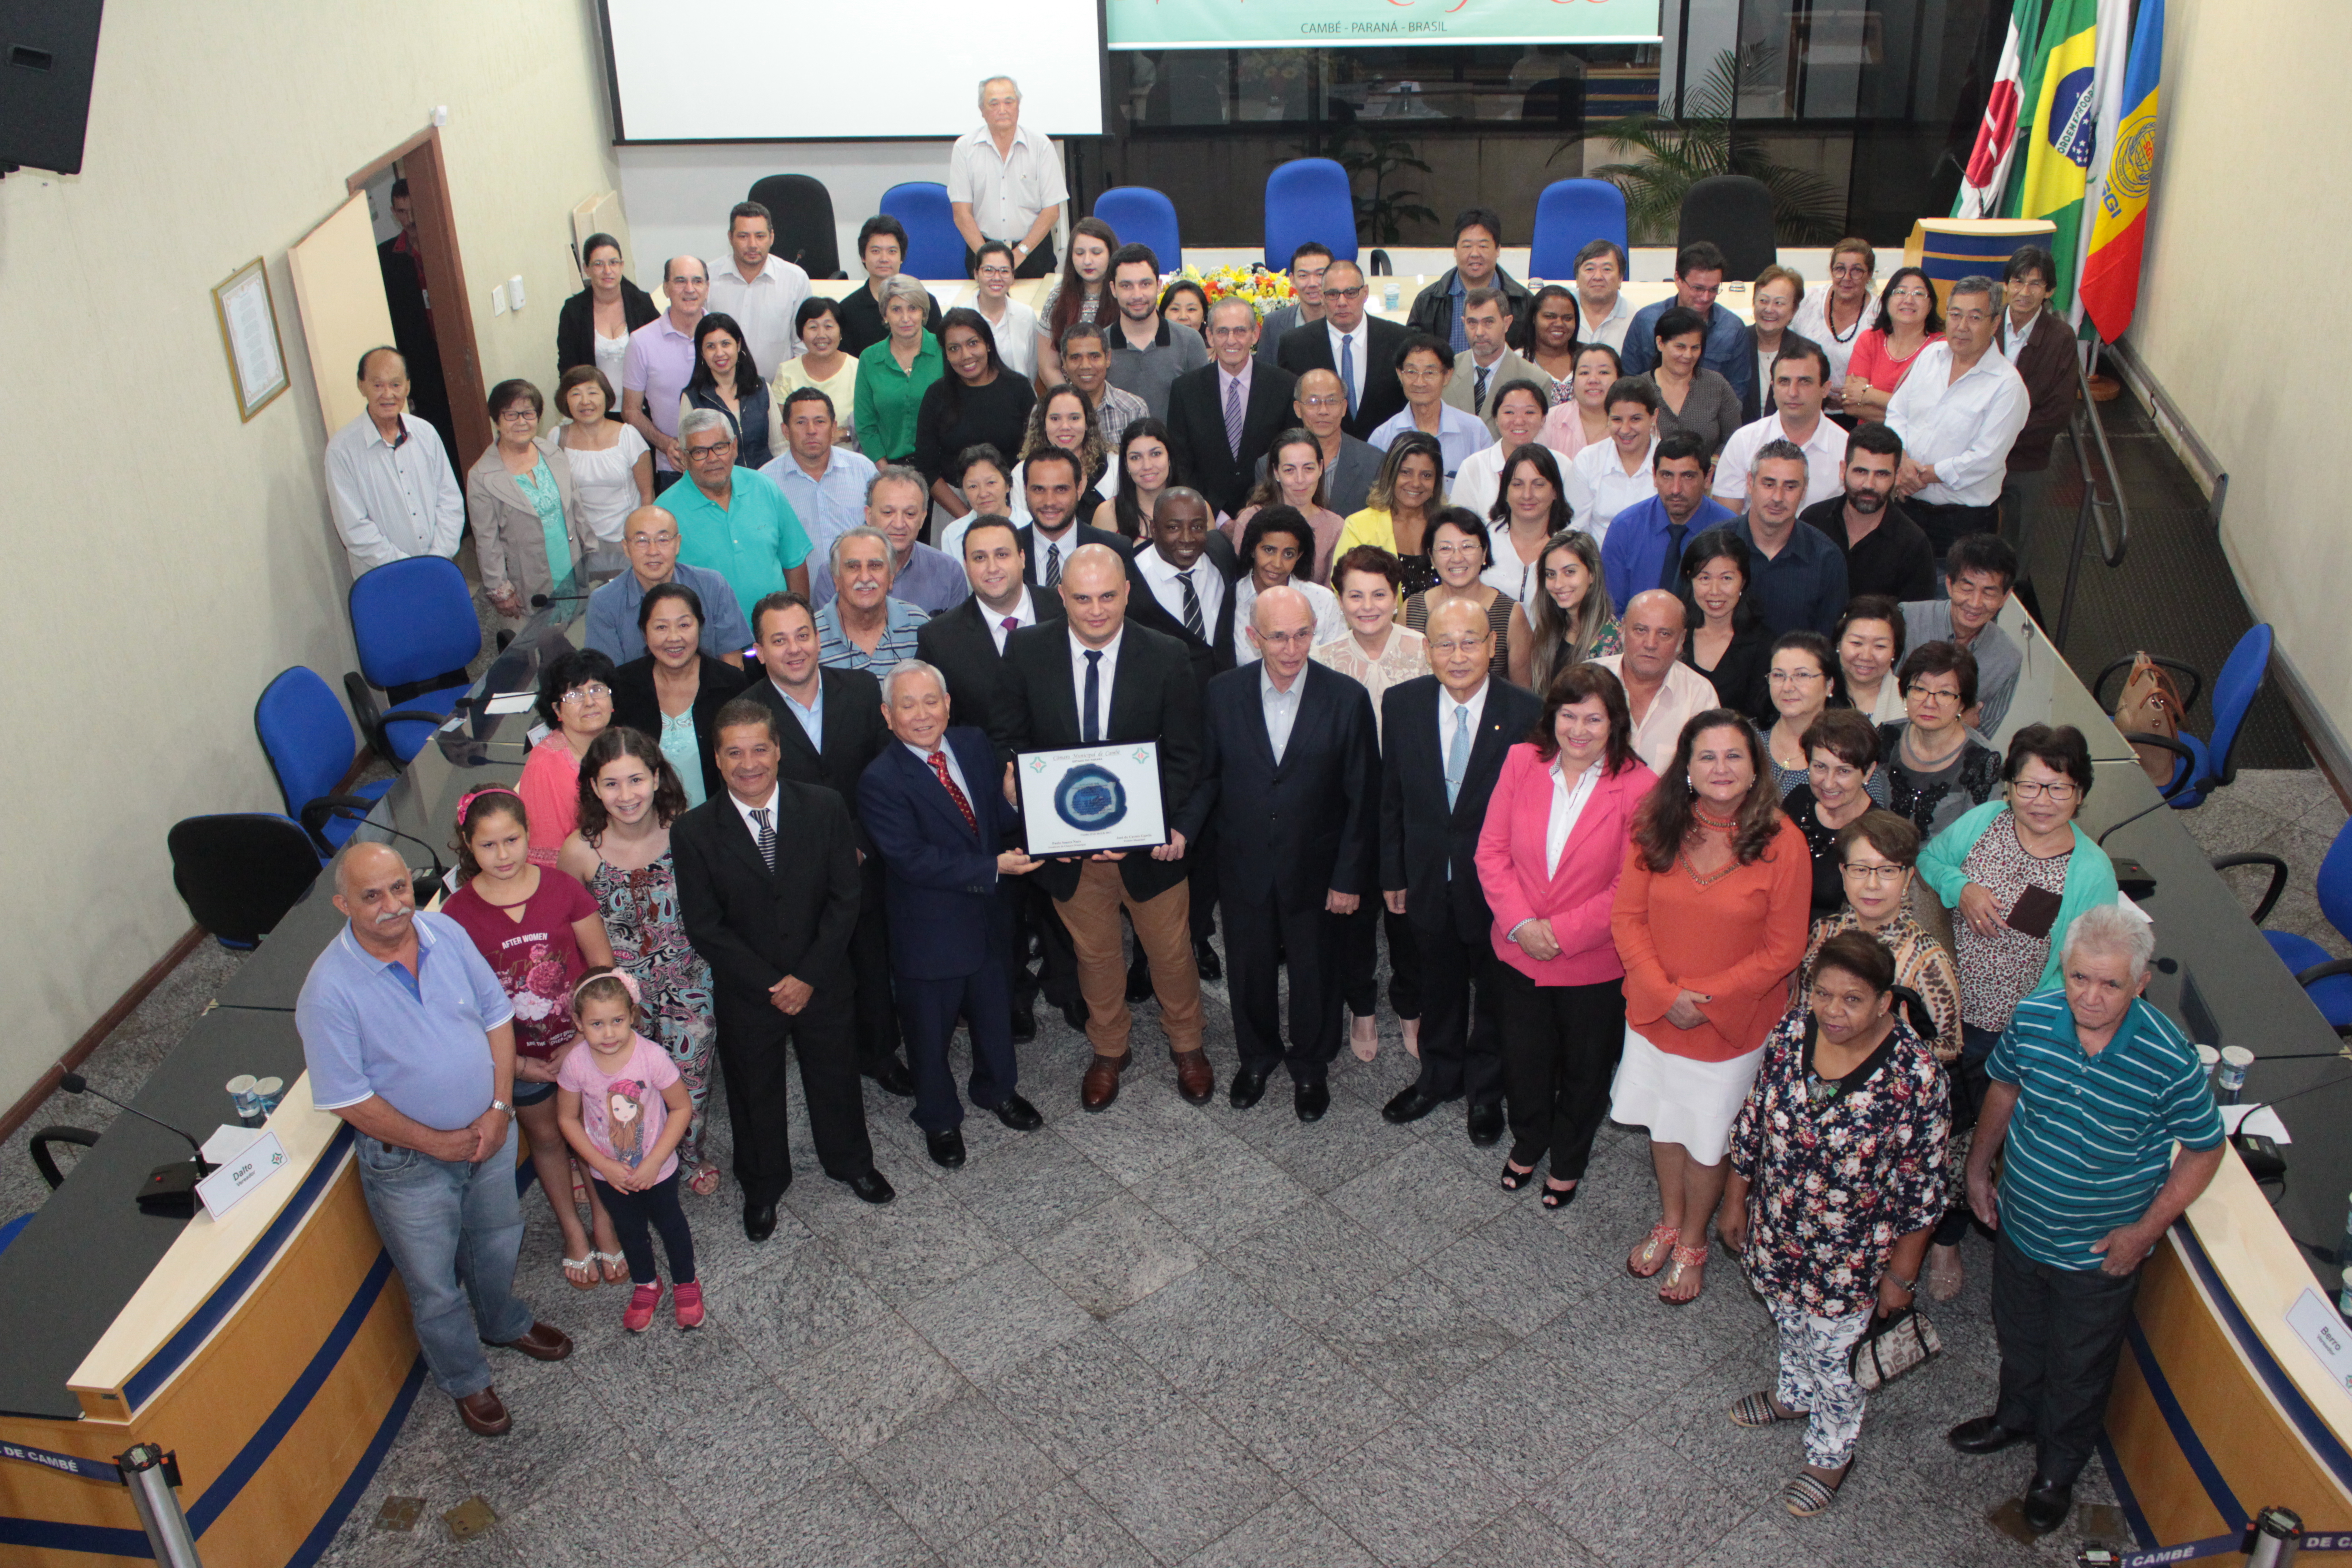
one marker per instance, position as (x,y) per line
(2091,1089)
(731,520)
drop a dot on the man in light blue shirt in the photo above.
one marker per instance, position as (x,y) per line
(825,483)
(1424,365)
(409,1037)
(650,538)
(898,502)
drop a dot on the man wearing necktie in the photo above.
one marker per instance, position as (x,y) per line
(1089,680)
(1444,736)
(1362,348)
(1643,546)
(1223,416)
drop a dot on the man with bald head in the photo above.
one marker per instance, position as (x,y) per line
(1289,772)
(649,539)
(1663,692)
(1350,465)
(409,1037)
(1091,679)
(1443,740)
(389,484)
(661,362)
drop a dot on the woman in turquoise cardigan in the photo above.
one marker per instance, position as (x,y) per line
(2017,872)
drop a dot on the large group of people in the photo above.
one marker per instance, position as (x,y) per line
(1631,674)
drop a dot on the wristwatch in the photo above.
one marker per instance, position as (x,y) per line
(501,1105)
(1908,1287)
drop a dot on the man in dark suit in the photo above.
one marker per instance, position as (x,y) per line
(1289,772)
(829,727)
(1223,416)
(1050,483)
(1443,739)
(1093,680)
(1362,348)
(966,646)
(938,818)
(773,923)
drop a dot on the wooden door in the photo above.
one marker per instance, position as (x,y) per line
(339,296)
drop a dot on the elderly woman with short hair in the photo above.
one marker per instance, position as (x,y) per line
(893,375)
(518,497)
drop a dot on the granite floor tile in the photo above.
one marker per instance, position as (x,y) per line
(996,1318)
(1179,1485)
(1417,1201)
(1222,1190)
(1313,1262)
(1410,1495)
(1060,1527)
(912,1247)
(796,1304)
(1203,1324)
(1033,1188)
(1631,1494)
(1114,1255)
(723,1444)
(1518,1538)
(1149,1127)
(631,1522)
(1290,1532)
(1350,1139)
(1300,1408)
(840,1522)
(1629,1346)
(1086,1396)
(956,1469)
(1520,1267)
(1416,1339)
(1526,1416)
(869,1387)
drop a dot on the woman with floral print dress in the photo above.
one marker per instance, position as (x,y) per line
(629,795)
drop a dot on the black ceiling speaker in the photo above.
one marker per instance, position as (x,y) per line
(48,52)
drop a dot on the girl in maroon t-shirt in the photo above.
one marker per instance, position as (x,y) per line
(539,931)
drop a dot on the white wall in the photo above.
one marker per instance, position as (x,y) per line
(2262,385)
(170,559)
(677,194)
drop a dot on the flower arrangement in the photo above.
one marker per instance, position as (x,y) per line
(1266,291)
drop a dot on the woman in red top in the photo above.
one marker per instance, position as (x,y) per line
(575,703)
(1549,854)
(540,932)
(1907,322)
(1710,921)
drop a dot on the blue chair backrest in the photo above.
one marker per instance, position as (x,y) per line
(305,734)
(2234,690)
(934,248)
(1308,198)
(1141,216)
(2335,881)
(1570,214)
(412,620)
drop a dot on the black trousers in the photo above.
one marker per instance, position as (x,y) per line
(1943,524)
(2060,1330)
(1311,941)
(1461,1026)
(929,1008)
(751,1047)
(1560,1045)
(870,960)
(1970,1085)
(656,1207)
(1039,263)
(1361,985)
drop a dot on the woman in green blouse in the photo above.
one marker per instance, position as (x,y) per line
(893,375)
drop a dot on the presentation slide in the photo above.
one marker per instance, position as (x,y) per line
(754,70)
(1305,24)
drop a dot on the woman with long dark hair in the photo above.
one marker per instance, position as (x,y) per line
(1064,418)
(1408,492)
(1568,621)
(1907,322)
(1146,469)
(1082,293)
(1530,507)
(978,401)
(1727,642)
(1294,478)
(725,379)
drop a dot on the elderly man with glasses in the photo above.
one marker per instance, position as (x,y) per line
(732,520)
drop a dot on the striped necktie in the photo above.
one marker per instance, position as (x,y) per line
(767,837)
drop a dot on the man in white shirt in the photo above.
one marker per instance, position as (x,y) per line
(1609,476)
(1004,181)
(1489,365)
(1662,692)
(1799,383)
(1602,309)
(1958,413)
(761,291)
(390,487)
(825,482)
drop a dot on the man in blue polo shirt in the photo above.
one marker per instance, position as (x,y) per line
(2091,1087)
(732,520)
(410,1038)
(1644,547)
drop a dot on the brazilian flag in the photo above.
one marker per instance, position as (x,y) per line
(2059,94)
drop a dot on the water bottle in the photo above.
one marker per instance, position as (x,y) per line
(1390,295)
(2235,1060)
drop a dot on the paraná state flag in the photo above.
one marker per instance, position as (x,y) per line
(2119,222)
(1988,163)
(2065,132)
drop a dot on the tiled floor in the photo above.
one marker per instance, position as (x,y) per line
(1166,1335)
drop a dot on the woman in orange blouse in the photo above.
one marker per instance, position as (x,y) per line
(1710,921)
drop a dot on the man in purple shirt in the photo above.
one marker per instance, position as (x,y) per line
(661,362)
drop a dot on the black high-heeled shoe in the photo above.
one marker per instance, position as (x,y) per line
(1517,1181)
(1560,1197)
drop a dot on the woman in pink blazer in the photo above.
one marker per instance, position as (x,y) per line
(1550,854)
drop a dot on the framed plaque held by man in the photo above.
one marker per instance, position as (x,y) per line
(1087,800)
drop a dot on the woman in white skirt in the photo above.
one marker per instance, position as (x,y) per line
(1710,921)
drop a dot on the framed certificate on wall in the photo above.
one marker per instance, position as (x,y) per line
(249,324)
(1089,799)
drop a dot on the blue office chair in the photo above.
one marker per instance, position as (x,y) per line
(1308,198)
(934,248)
(2206,765)
(1570,214)
(239,872)
(413,624)
(1141,216)
(2326,981)
(310,745)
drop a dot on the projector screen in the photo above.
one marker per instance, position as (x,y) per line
(766,70)
(1308,24)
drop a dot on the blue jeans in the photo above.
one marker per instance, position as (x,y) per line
(454,1229)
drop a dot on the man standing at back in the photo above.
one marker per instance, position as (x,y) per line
(1958,413)
(1307,264)
(650,540)
(1477,264)
(401,259)
(390,487)
(1730,346)
(761,291)
(1147,352)
(1223,416)
(1004,183)
(661,362)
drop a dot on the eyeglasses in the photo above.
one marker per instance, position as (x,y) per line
(1332,291)
(714,448)
(521,411)
(1876,874)
(1931,694)
(1795,677)
(595,691)
(1323,402)
(2033,789)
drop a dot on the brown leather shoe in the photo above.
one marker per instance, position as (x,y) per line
(1100,1085)
(1194,1079)
(544,1342)
(485,1415)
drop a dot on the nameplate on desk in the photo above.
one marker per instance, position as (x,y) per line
(2322,1327)
(228,1186)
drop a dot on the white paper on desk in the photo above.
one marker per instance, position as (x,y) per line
(237,1179)
(2261,1119)
(227,1142)
(2125,901)
(510,702)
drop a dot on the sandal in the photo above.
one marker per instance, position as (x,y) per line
(1807,1494)
(1946,1273)
(582,1272)
(615,1266)
(704,1180)
(1651,1256)
(1558,1197)
(1364,1038)
(1763,1410)
(1691,1262)
(1515,1180)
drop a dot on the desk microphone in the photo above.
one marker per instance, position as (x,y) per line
(170,1189)
(314,817)
(540,600)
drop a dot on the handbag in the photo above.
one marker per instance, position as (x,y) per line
(1892,1346)
(2151,705)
